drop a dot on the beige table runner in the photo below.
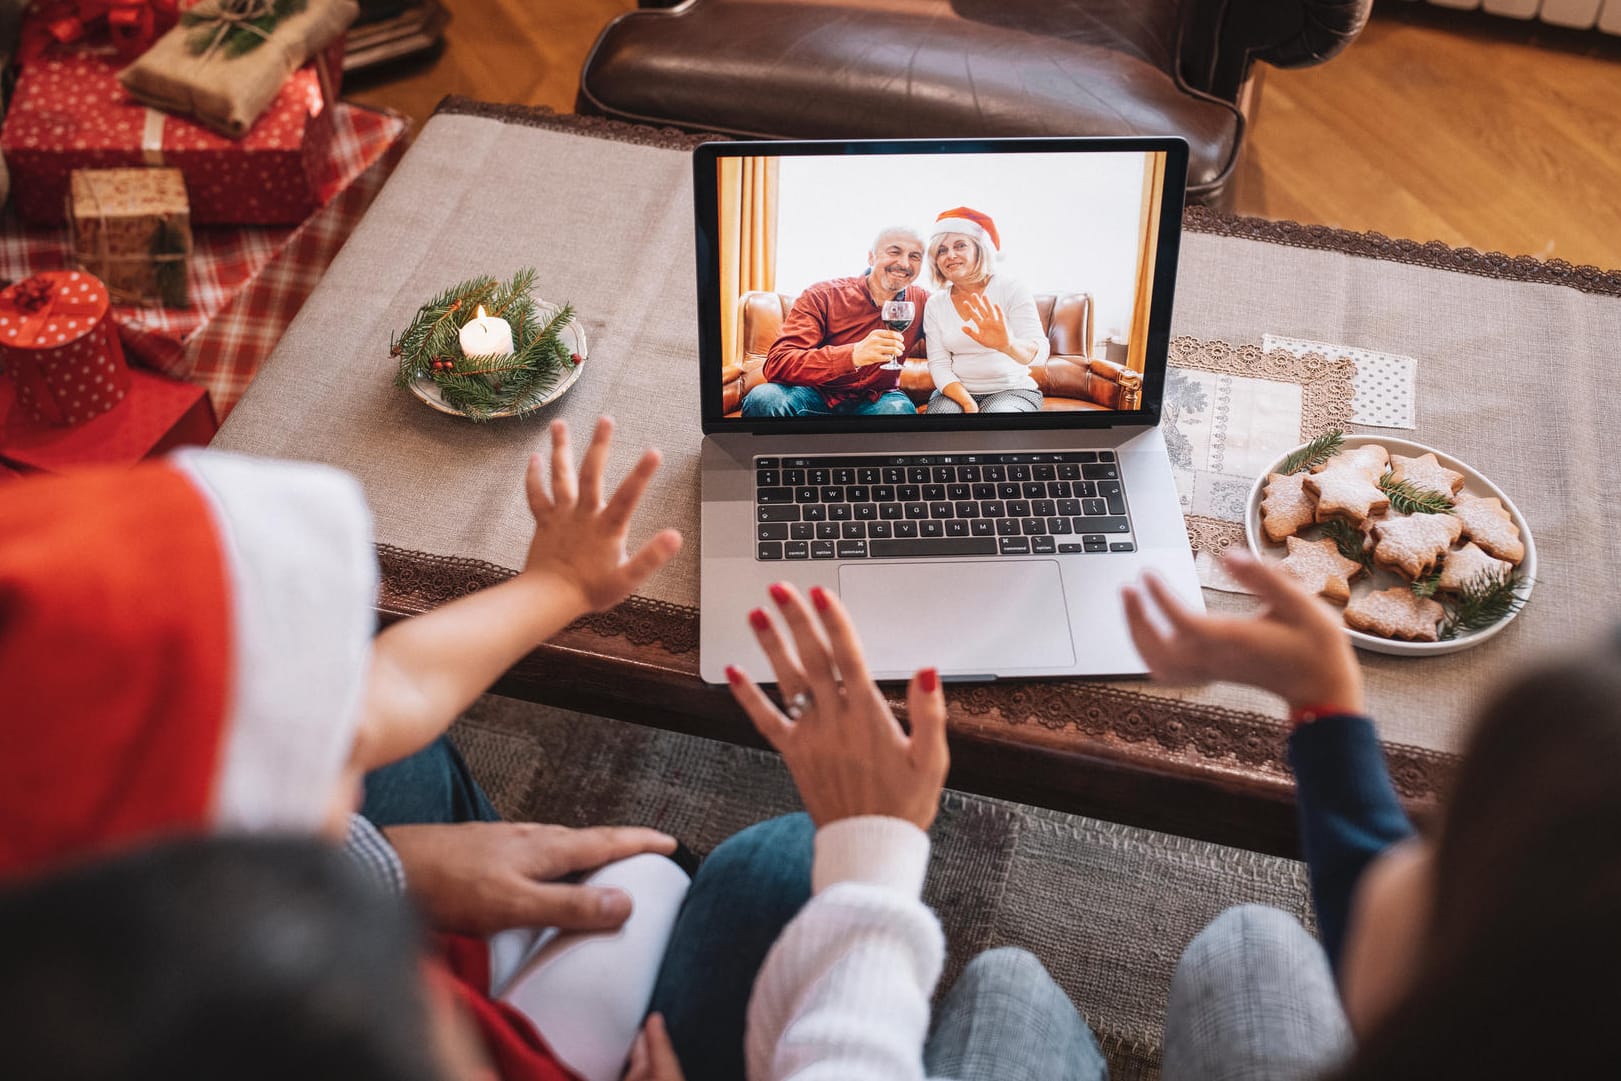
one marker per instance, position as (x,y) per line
(1515,377)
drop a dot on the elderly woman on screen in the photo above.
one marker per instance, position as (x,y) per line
(982,327)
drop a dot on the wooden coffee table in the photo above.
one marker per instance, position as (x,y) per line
(602,209)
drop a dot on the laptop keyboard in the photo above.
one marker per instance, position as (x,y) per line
(931,505)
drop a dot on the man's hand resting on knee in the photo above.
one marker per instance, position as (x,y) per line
(483,877)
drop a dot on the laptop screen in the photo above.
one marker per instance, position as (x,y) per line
(935,285)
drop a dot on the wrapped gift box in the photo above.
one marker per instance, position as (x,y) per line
(157,415)
(69,112)
(60,349)
(132,229)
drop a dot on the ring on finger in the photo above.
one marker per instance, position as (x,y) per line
(799,704)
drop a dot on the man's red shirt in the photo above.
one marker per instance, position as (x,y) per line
(819,338)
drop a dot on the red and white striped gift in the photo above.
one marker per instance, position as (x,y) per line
(60,348)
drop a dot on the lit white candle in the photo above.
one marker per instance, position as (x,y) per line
(486,335)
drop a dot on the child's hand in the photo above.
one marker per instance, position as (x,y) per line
(1296,648)
(652,1058)
(579,539)
(847,754)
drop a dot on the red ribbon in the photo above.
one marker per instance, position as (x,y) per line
(35,301)
(132,25)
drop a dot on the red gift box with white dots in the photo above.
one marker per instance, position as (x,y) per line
(69,112)
(60,349)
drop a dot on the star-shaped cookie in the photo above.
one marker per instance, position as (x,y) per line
(1371,460)
(1396,613)
(1463,566)
(1286,506)
(1347,492)
(1489,525)
(1412,544)
(1426,472)
(1319,567)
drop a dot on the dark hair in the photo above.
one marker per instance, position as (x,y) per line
(1520,971)
(242,959)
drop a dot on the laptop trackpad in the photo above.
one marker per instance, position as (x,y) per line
(966,618)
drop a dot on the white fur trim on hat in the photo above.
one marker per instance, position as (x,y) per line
(297,541)
(963,225)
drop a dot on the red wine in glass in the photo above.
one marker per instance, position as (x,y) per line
(897,316)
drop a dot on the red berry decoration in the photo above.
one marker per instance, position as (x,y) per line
(575,357)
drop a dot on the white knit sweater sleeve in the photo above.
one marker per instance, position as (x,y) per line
(844,993)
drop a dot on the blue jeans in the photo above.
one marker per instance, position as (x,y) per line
(782,400)
(742,897)
(1253,999)
(432,786)
(1005,1019)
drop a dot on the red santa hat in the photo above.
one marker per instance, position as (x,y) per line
(183,648)
(962,219)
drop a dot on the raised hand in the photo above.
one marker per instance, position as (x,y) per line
(847,753)
(989,324)
(1295,648)
(579,539)
(878,347)
(483,877)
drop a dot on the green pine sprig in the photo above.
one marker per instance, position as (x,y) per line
(1351,541)
(1425,587)
(1316,452)
(1486,599)
(479,387)
(1408,498)
(232,27)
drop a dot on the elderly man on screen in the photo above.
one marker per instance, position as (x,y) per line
(829,359)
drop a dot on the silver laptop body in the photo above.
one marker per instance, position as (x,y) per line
(1012,604)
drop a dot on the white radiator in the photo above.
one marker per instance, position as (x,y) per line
(1578,14)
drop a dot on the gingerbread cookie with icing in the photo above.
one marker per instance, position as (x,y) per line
(1468,563)
(1348,493)
(1490,526)
(1426,472)
(1396,613)
(1319,567)
(1286,506)
(1412,544)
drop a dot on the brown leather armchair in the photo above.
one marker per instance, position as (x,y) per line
(1068,378)
(848,69)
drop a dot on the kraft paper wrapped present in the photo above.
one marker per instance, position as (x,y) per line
(227,59)
(132,229)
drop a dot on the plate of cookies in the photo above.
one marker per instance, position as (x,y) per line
(1424,554)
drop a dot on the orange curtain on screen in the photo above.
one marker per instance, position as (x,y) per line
(748,255)
(1147,244)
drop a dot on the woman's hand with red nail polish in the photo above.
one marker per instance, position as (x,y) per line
(847,753)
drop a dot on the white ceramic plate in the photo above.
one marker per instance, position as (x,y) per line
(1474,483)
(572,336)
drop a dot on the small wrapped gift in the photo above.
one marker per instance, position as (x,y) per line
(227,59)
(69,113)
(132,229)
(60,349)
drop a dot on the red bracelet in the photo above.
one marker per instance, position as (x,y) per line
(1308,714)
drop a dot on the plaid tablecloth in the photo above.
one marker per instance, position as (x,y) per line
(245,283)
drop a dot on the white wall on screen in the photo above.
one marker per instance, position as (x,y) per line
(1068,223)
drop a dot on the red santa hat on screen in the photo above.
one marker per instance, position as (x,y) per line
(183,648)
(962,219)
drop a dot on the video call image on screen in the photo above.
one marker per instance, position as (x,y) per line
(937,284)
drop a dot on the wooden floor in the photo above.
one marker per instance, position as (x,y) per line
(1470,130)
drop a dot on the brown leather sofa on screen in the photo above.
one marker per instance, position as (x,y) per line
(880,69)
(1068,379)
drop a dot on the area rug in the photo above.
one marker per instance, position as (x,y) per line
(1107,908)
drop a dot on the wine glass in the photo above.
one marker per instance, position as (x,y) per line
(897,316)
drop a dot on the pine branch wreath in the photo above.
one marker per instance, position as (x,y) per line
(481,387)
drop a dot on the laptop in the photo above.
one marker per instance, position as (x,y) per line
(966,520)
